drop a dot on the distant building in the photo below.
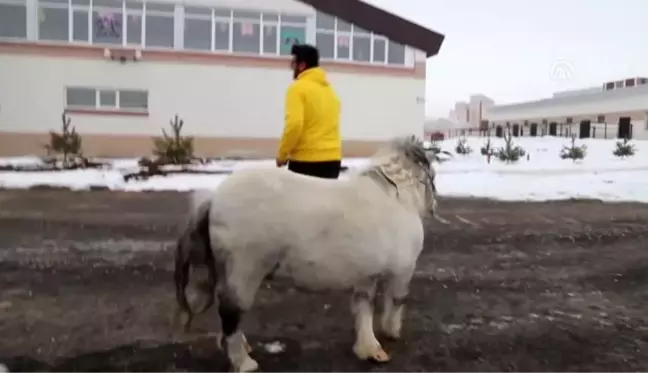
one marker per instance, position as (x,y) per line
(471,113)
(609,103)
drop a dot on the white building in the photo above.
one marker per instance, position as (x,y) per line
(604,106)
(472,112)
(461,112)
(222,65)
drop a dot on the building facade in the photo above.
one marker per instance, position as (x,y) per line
(221,65)
(603,106)
(470,114)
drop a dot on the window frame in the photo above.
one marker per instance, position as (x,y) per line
(99,107)
(160,13)
(258,22)
(199,17)
(23,3)
(45,4)
(351,35)
(217,15)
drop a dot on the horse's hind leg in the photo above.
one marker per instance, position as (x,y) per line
(395,291)
(235,298)
(366,346)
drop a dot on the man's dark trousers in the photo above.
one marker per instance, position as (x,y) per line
(324,170)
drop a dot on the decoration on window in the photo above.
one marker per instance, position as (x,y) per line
(291,41)
(107,25)
(269,30)
(343,41)
(289,37)
(223,26)
(135,18)
(247,29)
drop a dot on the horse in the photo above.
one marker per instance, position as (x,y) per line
(361,233)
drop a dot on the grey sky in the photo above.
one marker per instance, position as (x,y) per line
(518,50)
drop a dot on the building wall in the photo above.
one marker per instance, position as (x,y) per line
(577,92)
(214,101)
(628,102)
(461,112)
(471,113)
(229,102)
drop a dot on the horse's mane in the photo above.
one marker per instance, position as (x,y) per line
(402,161)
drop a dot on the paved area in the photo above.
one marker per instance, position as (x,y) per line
(85,285)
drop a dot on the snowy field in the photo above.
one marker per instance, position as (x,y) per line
(544,176)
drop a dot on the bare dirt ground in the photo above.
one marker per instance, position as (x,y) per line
(86,285)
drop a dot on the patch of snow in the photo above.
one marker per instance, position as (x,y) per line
(21,161)
(543,176)
(275,347)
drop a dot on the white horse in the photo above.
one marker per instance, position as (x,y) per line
(359,233)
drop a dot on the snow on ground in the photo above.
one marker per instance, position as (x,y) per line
(544,176)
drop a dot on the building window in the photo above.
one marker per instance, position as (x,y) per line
(80,97)
(106,99)
(53,20)
(395,53)
(242,31)
(198,28)
(630,83)
(361,45)
(270,33)
(107,20)
(111,22)
(222,29)
(246,37)
(133,22)
(159,27)
(324,22)
(340,40)
(13,19)
(81,21)
(326,44)
(292,31)
(133,100)
(379,54)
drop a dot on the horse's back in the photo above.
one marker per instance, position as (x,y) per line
(318,231)
(274,186)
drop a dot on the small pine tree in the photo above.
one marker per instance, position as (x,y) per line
(487,149)
(175,149)
(67,143)
(573,152)
(624,149)
(509,153)
(462,147)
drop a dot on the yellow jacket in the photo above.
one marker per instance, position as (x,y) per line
(312,123)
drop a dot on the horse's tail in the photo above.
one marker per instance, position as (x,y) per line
(194,249)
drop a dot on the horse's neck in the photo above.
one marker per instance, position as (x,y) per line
(403,193)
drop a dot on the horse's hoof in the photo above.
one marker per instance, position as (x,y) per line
(378,355)
(248,365)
